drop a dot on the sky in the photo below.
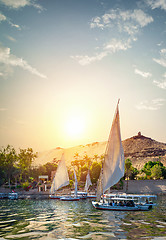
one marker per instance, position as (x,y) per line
(65,63)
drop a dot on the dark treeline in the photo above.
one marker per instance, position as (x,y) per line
(17,168)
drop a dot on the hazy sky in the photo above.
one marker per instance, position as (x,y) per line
(65,63)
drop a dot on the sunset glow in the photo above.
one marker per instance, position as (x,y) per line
(64,65)
(75,126)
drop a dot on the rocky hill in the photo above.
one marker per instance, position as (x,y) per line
(139,149)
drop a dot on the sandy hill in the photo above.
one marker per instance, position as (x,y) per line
(139,149)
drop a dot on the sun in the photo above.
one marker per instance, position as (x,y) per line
(75,126)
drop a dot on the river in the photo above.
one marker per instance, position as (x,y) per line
(54,219)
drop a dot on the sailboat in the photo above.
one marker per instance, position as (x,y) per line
(84,194)
(87,185)
(61,179)
(75,196)
(113,169)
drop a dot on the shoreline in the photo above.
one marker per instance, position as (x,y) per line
(157,187)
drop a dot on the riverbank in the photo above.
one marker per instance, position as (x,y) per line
(157,187)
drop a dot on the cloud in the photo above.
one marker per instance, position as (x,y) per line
(11,38)
(142,74)
(162,59)
(8,59)
(161,84)
(16,4)
(85,60)
(4,18)
(153,105)
(3,109)
(157,4)
(127,23)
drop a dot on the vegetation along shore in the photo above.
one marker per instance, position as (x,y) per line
(145,167)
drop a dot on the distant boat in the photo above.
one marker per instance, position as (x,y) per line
(84,194)
(88,183)
(61,179)
(113,169)
(74,197)
(13,195)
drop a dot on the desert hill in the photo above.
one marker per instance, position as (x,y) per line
(139,149)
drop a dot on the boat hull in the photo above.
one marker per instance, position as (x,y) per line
(69,198)
(105,206)
(54,197)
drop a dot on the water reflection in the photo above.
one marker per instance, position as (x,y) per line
(53,219)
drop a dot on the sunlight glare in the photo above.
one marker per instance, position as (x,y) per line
(75,126)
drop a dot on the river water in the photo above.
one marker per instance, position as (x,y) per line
(54,219)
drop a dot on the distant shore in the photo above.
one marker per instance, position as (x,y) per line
(157,187)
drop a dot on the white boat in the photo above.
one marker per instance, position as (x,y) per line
(142,199)
(113,168)
(120,204)
(61,179)
(74,197)
(84,194)
(13,196)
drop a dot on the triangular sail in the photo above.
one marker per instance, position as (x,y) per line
(113,166)
(88,182)
(61,177)
(75,184)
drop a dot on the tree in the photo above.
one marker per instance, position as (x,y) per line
(8,158)
(156,172)
(25,159)
(128,165)
(95,171)
(147,169)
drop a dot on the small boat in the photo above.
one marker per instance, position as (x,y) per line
(142,199)
(74,197)
(3,195)
(120,204)
(61,179)
(13,195)
(69,198)
(54,197)
(84,194)
(113,169)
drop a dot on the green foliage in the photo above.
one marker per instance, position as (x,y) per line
(25,186)
(25,160)
(154,170)
(8,158)
(95,171)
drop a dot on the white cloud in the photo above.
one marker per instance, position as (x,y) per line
(162,59)
(85,60)
(142,74)
(153,105)
(116,45)
(4,18)
(157,4)
(11,38)
(161,84)
(8,59)
(113,46)
(16,4)
(127,23)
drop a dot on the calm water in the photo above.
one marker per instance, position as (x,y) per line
(53,219)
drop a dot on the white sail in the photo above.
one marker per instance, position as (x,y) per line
(61,177)
(113,166)
(76,183)
(88,182)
